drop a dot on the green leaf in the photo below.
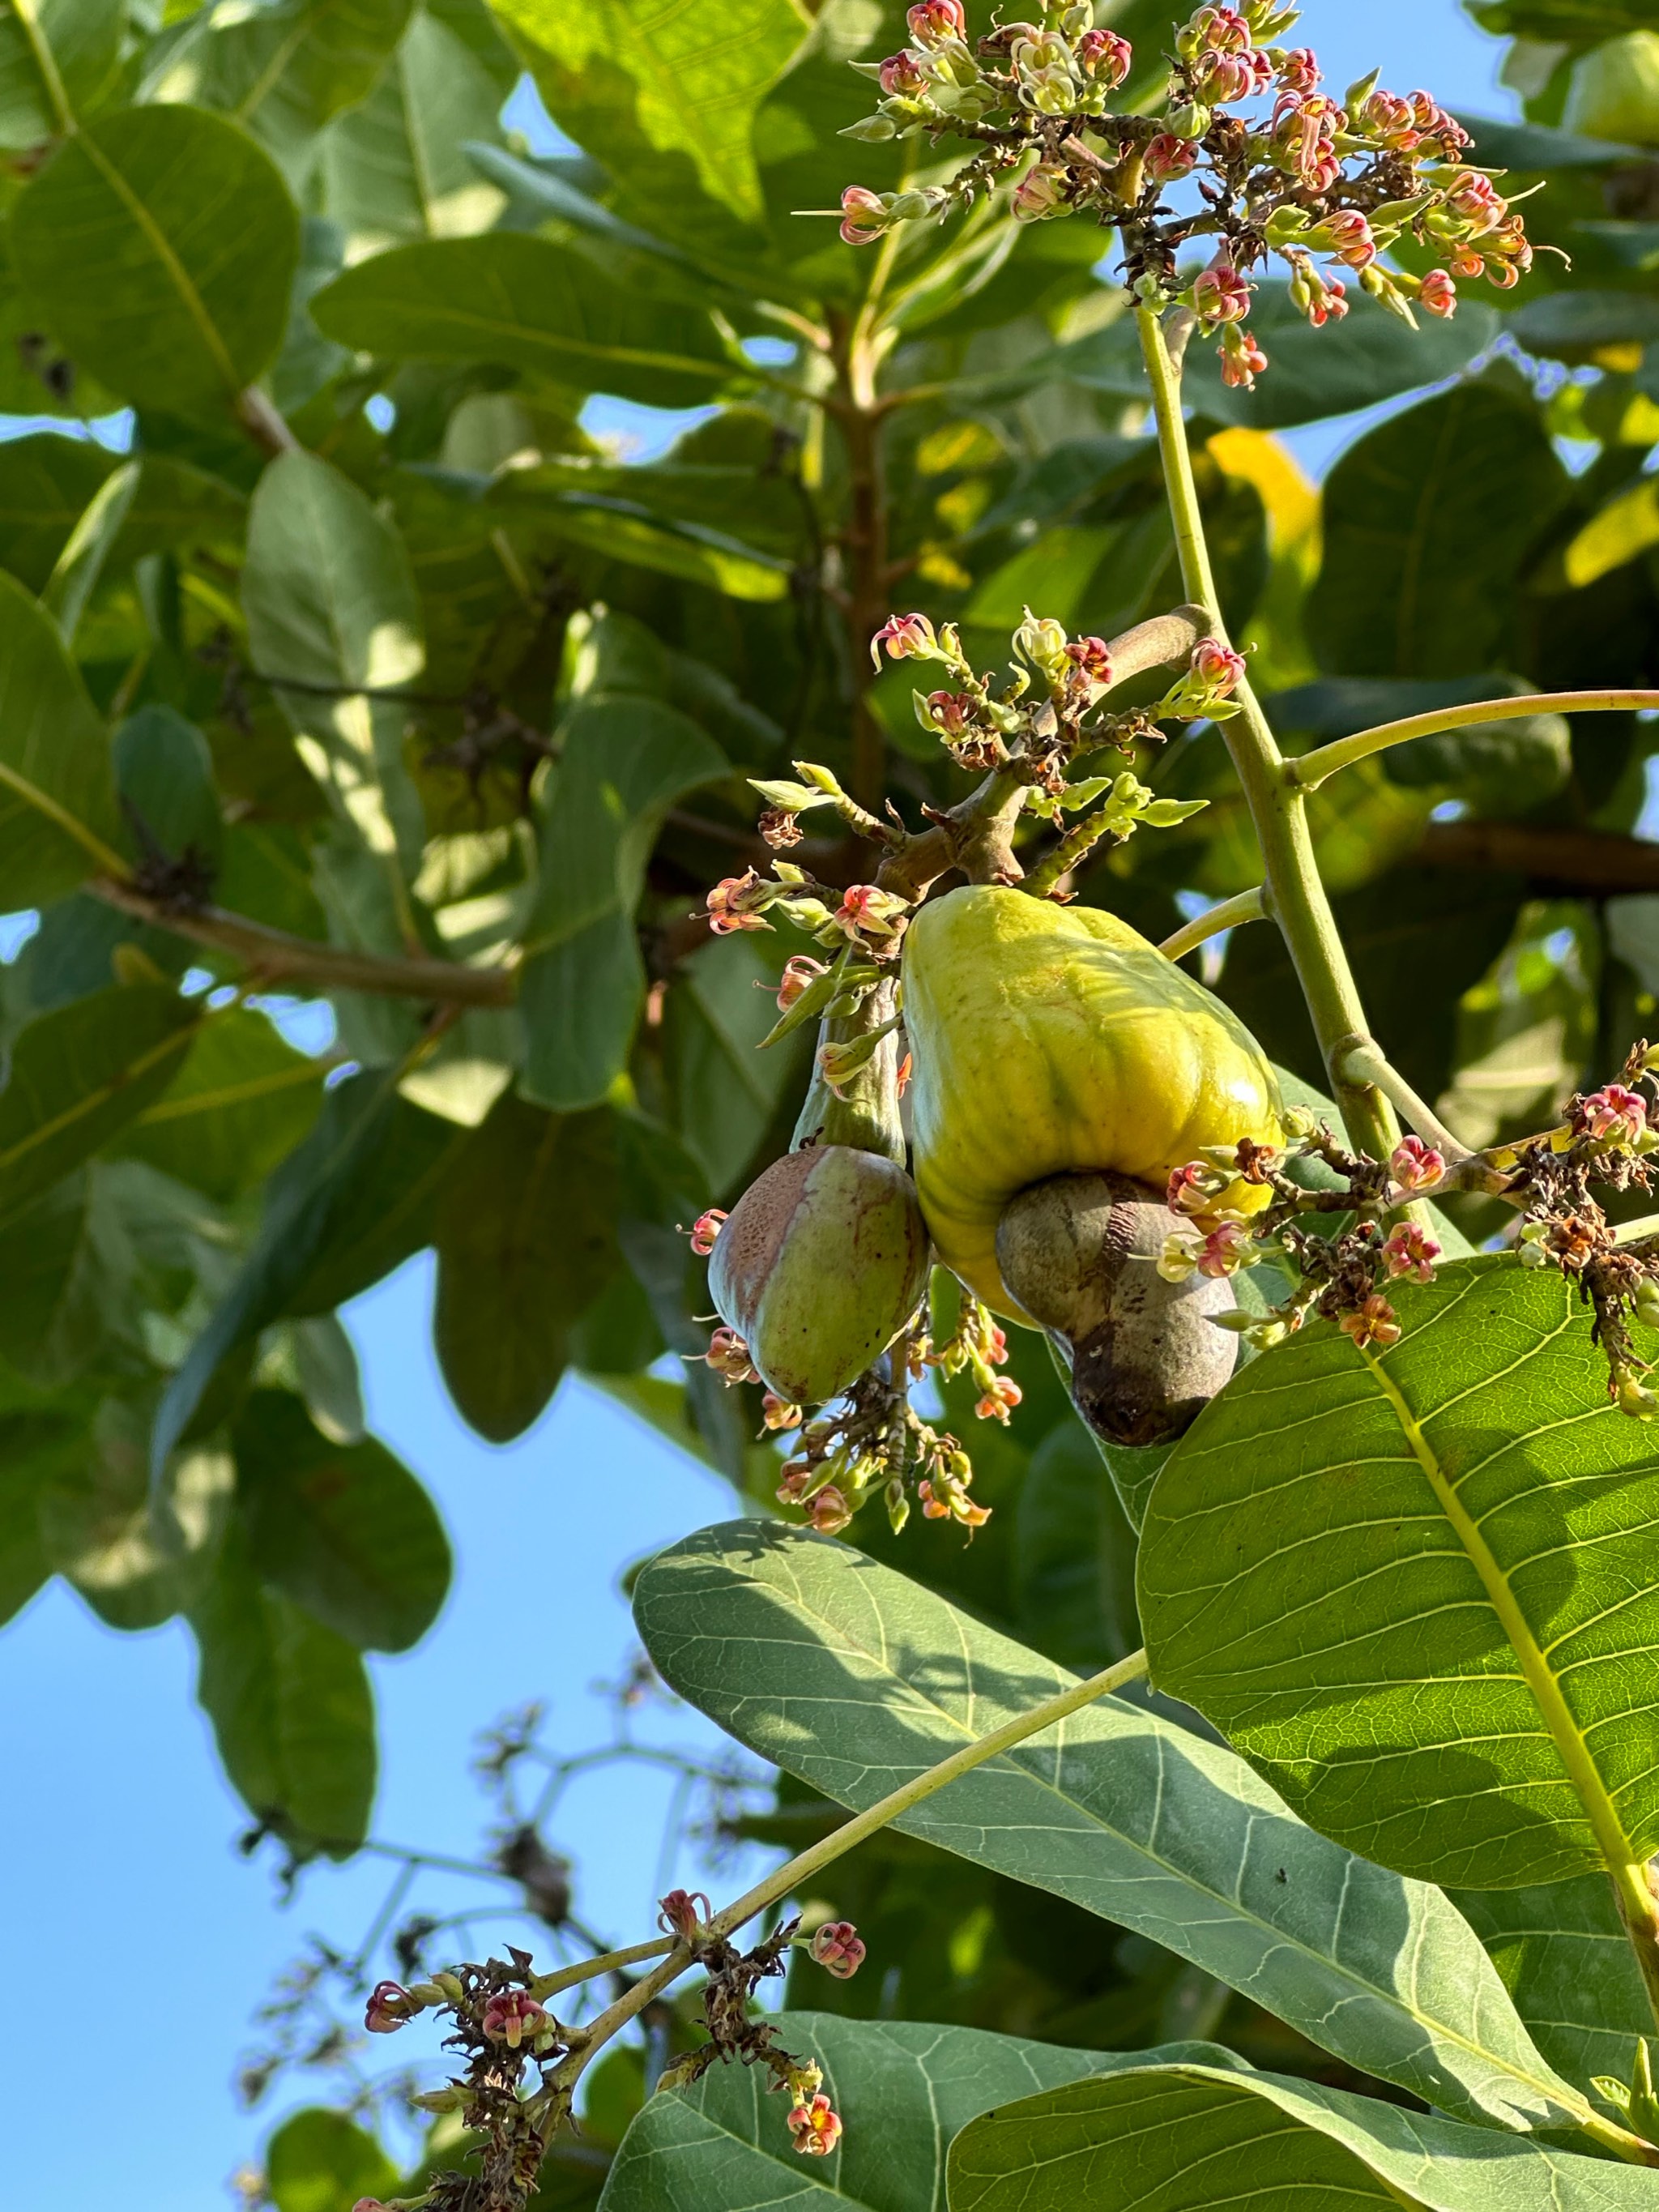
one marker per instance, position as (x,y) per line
(526,1240)
(684,80)
(66,1280)
(1397,1641)
(158,244)
(1567,1964)
(331,602)
(353,1200)
(292,1711)
(47,482)
(903,2091)
(525,303)
(1576,324)
(1187,2138)
(80,1073)
(624,761)
(625,530)
(282,71)
(31,1446)
(399,166)
(321,2161)
(726,1092)
(855,1680)
(344,1529)
(178,507)
(236,1109)
(1074,1555)
(82,562)
(164,776)
(57,817)
(1398,595)
(1502,769)
(1506,145)
(57,57)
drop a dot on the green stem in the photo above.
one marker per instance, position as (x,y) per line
(1230,913)
(1277,807)
(1365,1062)
(1311,770)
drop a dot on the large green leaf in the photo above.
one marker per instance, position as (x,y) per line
(1426,1631)
(529,304)
(331,602)
(673,77)
(848,1675)
(727,1093)
(1400,595)
(238,1105)
(903,2090)
(80,1073)
(344,1529)
(67,1271)
(292,1711)
(159,244)
(57,817)
(320,2161)
(57,58)
(397,167)
(1193,2138)
(282,71)
(624,761)
(47,483)
(1566,1961)
(526,1240)
(1074,1553)
(137,1554)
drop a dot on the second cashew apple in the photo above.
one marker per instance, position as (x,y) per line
(1053,1040)
(821,1262)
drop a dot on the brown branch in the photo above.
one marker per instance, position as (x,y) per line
(264,423)
(1582,863)
(275,957)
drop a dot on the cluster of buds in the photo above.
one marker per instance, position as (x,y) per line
(1205,693)
(871,920)
(1298,173)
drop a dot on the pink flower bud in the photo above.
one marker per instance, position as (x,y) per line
(1001,1397)
(815,2128)
(1615,1116)
(903,1074)
(679,1914)
(1217,30)
(389,2006)
(1437,295)
(828,1511)
(1349,237)
(728,1356)
(1041,192)
(863,216)
(1217,666)
(1220,295)
(1299,71)
(1477,199)
(796,1479)
(933,21)
(1221,79)
(1411,1251)
(838,1947)
(1415,1165)
(902,76)
(704,1229)
(943,1497)
(799,974)
(1169,157)
(1103,57)
(1193,1189)
(512,2017)
(1374,1323)
(1224,1251)
(1241,358)
(737,903)
(778,1414)
(907,637)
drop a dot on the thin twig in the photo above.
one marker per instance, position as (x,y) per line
(1229,914)
(1308,772)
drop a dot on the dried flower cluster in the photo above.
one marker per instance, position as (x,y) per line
(1273,164)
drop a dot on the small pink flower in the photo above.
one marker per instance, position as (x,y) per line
(778,1414)
(950,712)
(1614,1115)
(1415,1165)
(907,637)
(1041,192)
(1217,666)
(1220,295)
(1437,295)
(737,903)
(1089,656)
(1104,57)
(679,1914)
(1350,238)
(1374,1323)
(1241,358)
(1225,1251)
(1411,1251)
(944,1499)
(863,216)
(902,75)
(799,974)
(796,1477)
(866,911)
(368,2205)
(903,1074)
(828,1511)
(1169,157)
(1001,1398)
(1193,1189)
(1218,30)
(1221,79)
(389,2006)
(728,1356)
(933,21)
(1299,71)
(838,1948)
(512,2017)
(704,1229)
(1477,199)
(815,2128)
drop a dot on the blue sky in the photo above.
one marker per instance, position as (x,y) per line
(129,1906)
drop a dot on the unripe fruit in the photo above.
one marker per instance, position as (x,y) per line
(1052,1040)
(1614,91)
(823,1261)
(1080,1254)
